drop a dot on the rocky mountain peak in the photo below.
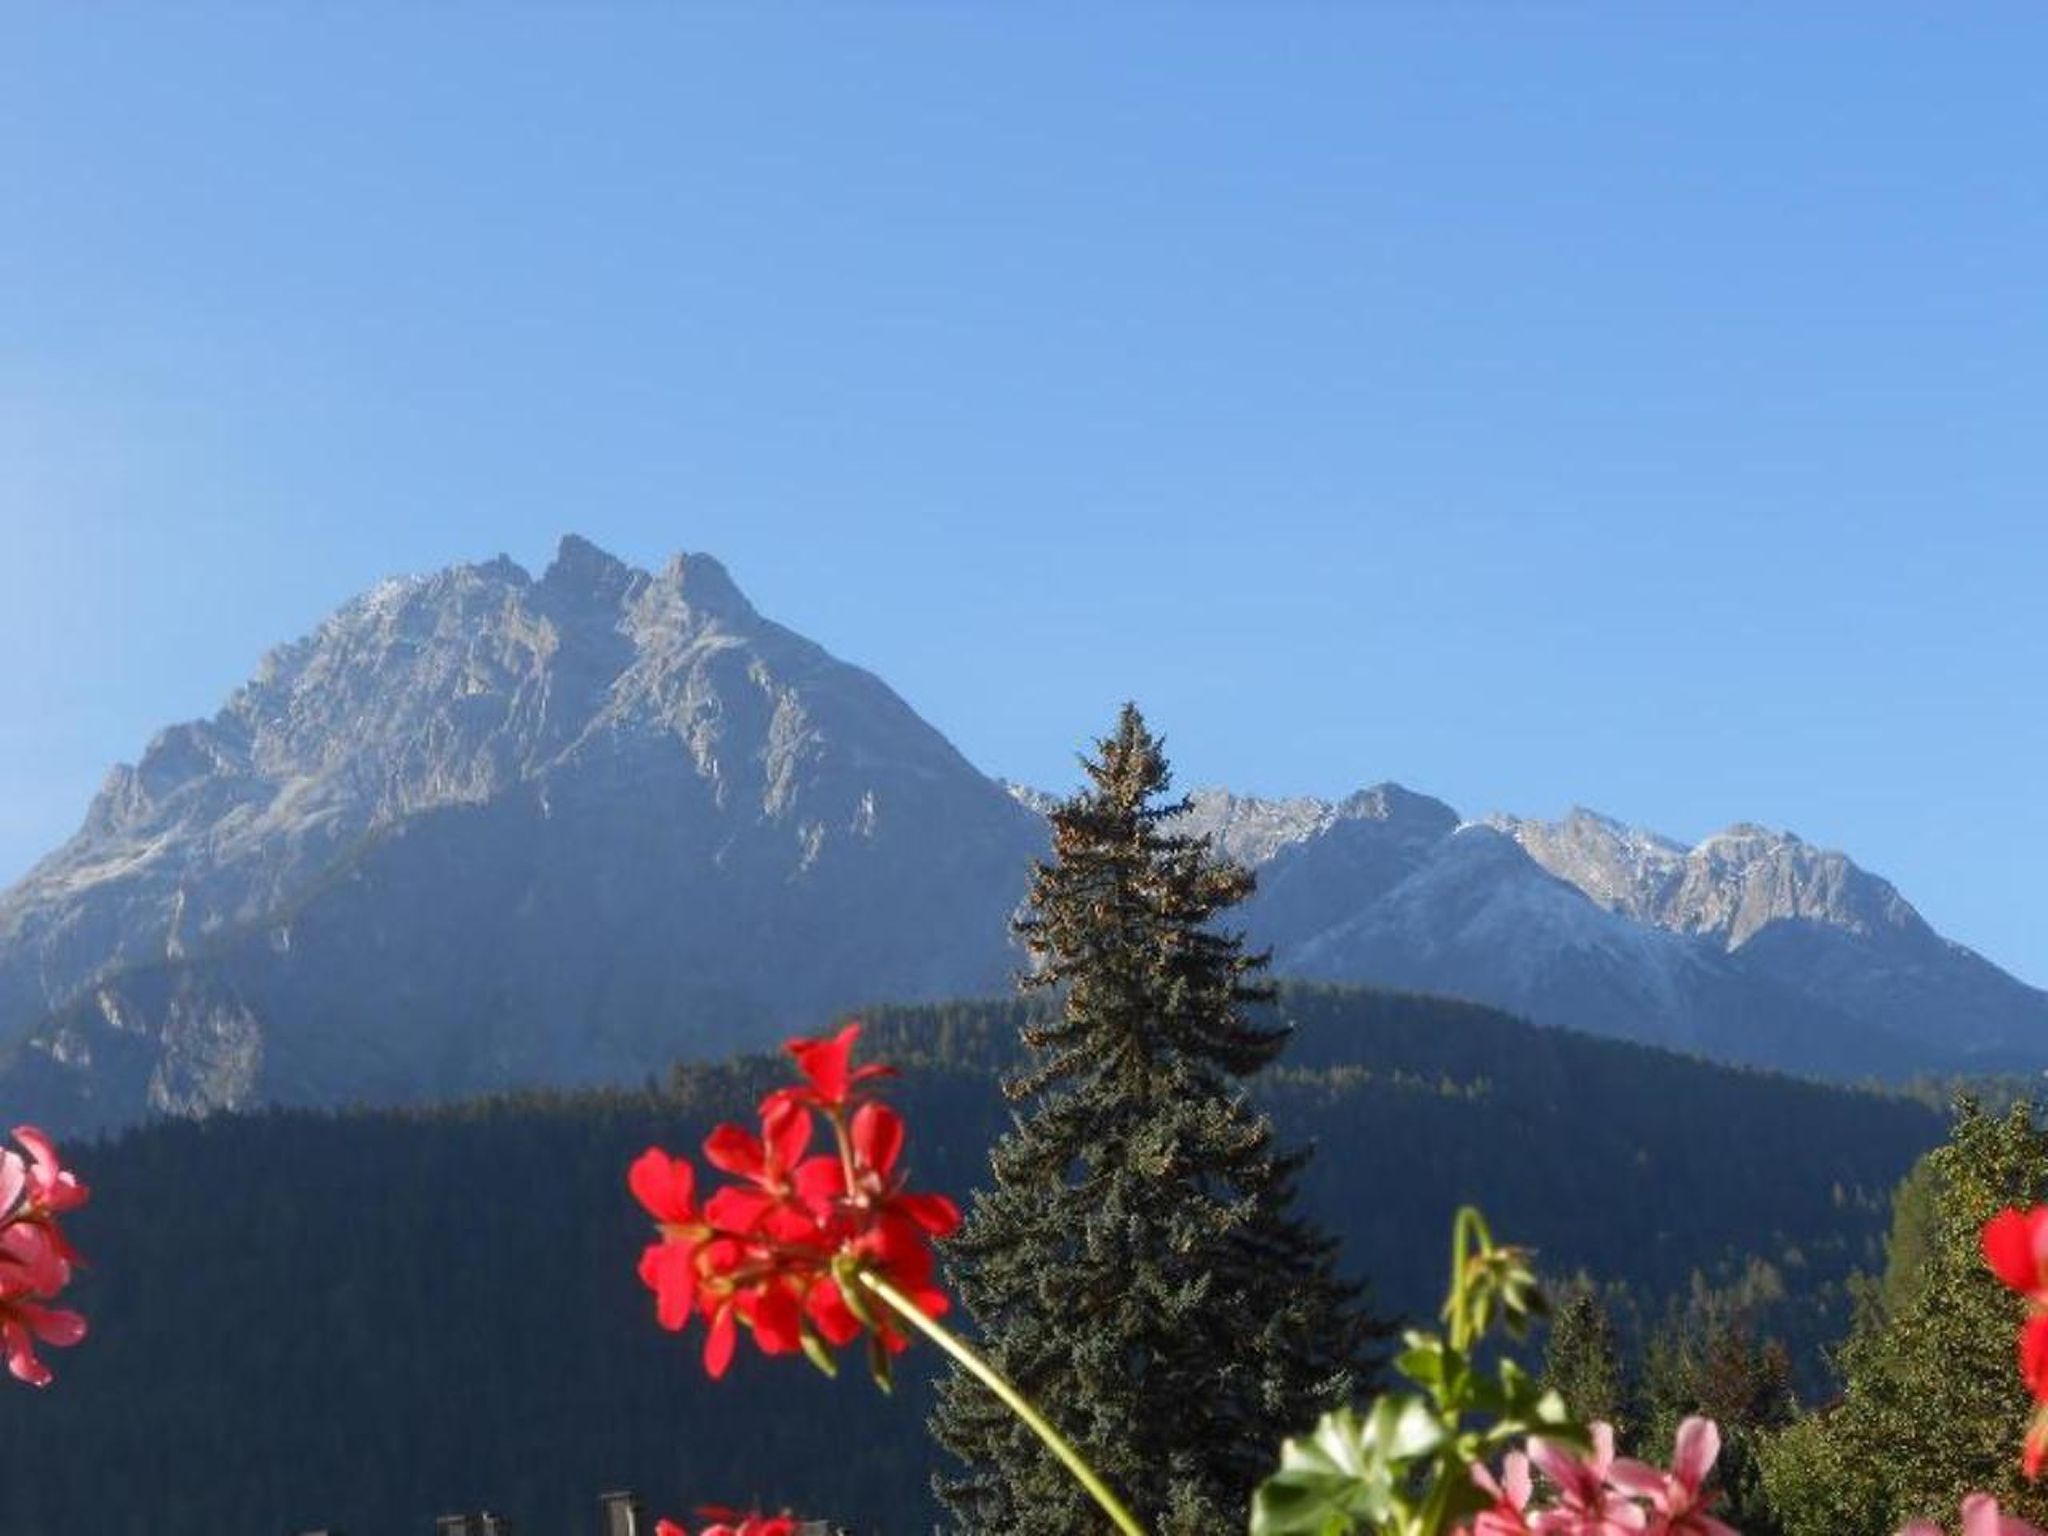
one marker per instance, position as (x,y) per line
(1392,803)
(580,569)
(704,586)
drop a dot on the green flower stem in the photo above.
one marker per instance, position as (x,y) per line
(1014,1400)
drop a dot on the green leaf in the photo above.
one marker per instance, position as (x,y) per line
(1423,1360)
(1329,1482)
(818,1354)
(1349,1472)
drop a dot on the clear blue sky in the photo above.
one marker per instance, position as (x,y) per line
(1635,406)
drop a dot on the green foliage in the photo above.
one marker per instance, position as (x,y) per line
(1137,1268)
(1932,1406)
(372,1319)
(1710,1358)
(1582,1360)
(1404,1467)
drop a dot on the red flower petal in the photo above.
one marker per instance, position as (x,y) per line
(735,1150)
(778,1322)
(820,1183)
(737,1209)
(720,1342)
(2034,1356)
(2008,1243)
(877,1137)
(935,1213)
(669,1269)
(665,1185)
(787,1131)
(824,1062)
(830,1314)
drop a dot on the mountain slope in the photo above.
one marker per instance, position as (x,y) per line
(1807,920)
(482,830)
(1753,947)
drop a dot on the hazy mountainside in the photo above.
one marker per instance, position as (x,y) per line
(482,830)
(1754,946)
(1805,918)
(379,1318)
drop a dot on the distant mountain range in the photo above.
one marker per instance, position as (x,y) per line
(482,829)
(1753,946)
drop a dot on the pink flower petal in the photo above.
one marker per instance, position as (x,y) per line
(53,1325)
(1639,1480)
(13,1182)
(21,1354)
(1980,1515)
(1698,1447)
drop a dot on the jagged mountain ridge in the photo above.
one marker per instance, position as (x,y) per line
(482,829)
(1808,919)
(1753,944)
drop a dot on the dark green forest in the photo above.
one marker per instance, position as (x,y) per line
(361,1321)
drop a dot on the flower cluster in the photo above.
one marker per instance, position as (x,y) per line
(730,1522)
(1980,1518)
(2015,1245)
(793,1248)
(35,1258)
(1599,1495)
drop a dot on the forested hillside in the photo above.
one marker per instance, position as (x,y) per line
(365,1320)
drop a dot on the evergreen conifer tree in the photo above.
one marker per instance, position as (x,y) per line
(1582,1362)
(1136,1267)
(1932,1406)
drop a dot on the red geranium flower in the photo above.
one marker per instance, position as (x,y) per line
(748,1525)
(767,1202)
(829,1076)
(779,1251)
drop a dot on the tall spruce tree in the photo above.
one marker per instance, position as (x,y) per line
(1136,1267)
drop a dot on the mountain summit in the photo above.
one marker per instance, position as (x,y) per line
(479,830)
(482,829)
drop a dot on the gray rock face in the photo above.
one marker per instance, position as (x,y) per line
(1754,945)
(480,830)
(1806,919)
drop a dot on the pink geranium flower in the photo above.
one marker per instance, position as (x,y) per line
(53,1188)
(1587,1503)
(35,1259)
(1678,1498)
(1510,1513)
(1980,1518)
(25,1323)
